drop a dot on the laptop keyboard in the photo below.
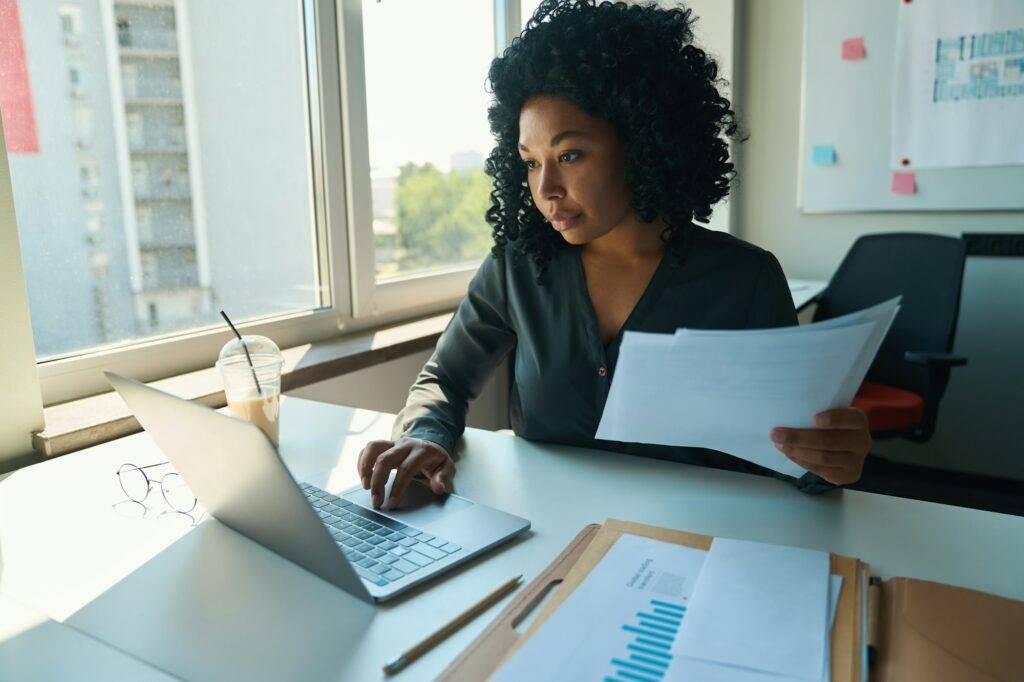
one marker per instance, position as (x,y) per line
(380,549)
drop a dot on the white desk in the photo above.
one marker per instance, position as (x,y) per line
(804,290)
(33,647)
(209,604)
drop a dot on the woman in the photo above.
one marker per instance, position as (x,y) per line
(609,130)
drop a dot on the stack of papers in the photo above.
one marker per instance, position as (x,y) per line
(655,611)
(726,390)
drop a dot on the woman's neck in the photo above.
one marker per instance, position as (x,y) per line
(628,242)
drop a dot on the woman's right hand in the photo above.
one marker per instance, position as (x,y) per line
(409,456)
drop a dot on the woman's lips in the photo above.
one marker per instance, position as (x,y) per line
(563,223)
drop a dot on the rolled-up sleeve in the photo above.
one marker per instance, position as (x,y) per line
(477,339)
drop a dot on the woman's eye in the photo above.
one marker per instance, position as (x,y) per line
(564,157)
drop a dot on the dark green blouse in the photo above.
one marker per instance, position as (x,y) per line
(562,369)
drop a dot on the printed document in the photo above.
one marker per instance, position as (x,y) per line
(624,617)
(627,619)
(958,84)
(760,607)
(726,390)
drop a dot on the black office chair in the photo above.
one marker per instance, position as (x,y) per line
(909,375)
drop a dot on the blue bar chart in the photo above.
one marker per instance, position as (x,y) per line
(648,655)
(623,623)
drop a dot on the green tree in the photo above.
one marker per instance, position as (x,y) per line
(441,217)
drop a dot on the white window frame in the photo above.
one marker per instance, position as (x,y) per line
(352,300)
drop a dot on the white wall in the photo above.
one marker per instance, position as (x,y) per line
(385,387)
(21,405)
(983,404)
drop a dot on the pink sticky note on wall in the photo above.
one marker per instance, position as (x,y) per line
(904,183)
(853,48)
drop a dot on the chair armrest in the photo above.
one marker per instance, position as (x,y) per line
(934,359)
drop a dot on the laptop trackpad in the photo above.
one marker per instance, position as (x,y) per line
(419,505)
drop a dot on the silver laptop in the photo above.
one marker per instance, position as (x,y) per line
(239,478)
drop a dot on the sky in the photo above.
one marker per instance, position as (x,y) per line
(426,69)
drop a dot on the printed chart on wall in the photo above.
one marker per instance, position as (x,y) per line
(912,105)
(958,99)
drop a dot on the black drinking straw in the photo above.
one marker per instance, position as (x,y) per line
(246,349)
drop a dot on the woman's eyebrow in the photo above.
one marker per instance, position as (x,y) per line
(558,138)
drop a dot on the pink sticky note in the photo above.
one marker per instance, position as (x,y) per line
(853,48)
(904,183)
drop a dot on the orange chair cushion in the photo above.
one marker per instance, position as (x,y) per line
(889,408)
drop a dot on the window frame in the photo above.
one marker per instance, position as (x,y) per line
(351,298)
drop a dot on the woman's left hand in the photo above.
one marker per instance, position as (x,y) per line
(835,450)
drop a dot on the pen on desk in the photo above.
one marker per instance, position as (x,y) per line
(410,655)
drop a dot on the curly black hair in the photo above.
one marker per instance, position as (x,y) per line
(635,67)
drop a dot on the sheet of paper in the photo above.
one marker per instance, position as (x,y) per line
(727,390)
(882,315)
(834,588)
(864,662)
(760,607)
(690,669)
(958,83)
(624,617)
(883,312)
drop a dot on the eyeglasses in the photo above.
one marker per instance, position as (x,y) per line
(136,484)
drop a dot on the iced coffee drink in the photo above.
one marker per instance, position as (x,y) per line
(251,369)
(262,411)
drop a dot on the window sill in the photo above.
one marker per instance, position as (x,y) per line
(89,421)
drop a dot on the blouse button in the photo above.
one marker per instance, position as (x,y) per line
(601,371)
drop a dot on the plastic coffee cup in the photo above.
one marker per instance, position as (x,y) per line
(253,390)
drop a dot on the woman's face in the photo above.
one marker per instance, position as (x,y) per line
(575,167)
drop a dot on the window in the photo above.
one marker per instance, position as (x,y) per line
(261,162)
(85,122)
(417,137)
(75,85)
(174,201)
(124,32)
(428,132)
(93,220)
(528,7)
(71,24)
(89,176)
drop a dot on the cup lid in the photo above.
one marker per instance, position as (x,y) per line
(261,349)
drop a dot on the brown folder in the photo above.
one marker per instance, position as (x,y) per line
(501,639)
(927,631)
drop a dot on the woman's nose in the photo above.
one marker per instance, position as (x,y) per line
(550,185)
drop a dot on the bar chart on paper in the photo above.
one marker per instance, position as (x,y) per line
(647,656)
(621,624)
